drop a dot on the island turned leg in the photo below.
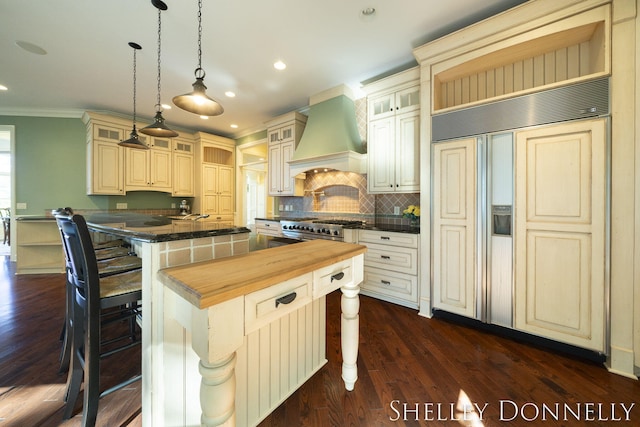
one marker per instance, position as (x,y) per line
(218,392)
(350,326)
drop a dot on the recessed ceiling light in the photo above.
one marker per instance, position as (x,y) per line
(279,65)
(204,117)
(234,126)
(3,87)
(368,11)
(30,47)
(230,94)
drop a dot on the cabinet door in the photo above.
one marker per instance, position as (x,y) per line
(225,190)
(107,168)
(137,169)
(560,232)
(275,166)
(287,181)
(382,106)
(407,99)
(274,136)
(407,158)
(210,196)
(182,174)
(380,178)
(160,169)
(454,226)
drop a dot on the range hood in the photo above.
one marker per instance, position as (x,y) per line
(330,139)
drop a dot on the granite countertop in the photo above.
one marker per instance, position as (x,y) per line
(155,228)
(387,227)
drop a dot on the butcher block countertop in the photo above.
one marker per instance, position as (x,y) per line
(208,283)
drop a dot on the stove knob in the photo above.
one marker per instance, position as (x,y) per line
(327,231)
(335,233)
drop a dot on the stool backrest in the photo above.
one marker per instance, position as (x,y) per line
(81,261)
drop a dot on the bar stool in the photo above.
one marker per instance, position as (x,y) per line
(112,258)
(91,296)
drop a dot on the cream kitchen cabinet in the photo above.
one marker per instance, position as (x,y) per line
(268,227)
(394,134)
(149,169)
(215,178)
(390,266)
(183,168)
(217,190)
(283,135)
(105,158)
(38,246)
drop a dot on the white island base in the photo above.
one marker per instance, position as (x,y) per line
(233,362)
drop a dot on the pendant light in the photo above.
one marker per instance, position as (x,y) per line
(134,141)
(197,101)
(158,127)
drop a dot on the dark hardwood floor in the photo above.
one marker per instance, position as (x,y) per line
(404,361)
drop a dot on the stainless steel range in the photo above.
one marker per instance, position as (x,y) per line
(327,229)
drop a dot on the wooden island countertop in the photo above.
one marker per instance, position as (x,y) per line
(208,283)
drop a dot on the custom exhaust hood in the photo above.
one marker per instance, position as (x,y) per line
(330,139)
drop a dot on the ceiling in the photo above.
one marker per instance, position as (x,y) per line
(88,64)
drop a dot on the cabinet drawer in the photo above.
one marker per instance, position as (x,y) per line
(266,305)
(406,240)
(403,260)
(328,279)
(268,228)
(396,285)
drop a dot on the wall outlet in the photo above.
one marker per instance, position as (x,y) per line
(173,205)
(280,207)
(121,206)
(396,210)
(21,205)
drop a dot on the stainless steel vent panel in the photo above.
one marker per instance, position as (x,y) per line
(577,101)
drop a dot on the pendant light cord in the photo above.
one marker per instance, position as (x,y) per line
(159,105)
(199,71)
(134,86)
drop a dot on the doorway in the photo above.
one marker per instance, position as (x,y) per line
(253,176)
(6,186)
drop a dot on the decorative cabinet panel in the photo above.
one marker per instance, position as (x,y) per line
(454,226)
(38,246)
(283,135)
(390,266)
(394,134)
(560,232)
(217,189)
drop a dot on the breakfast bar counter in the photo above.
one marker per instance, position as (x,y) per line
(256,326)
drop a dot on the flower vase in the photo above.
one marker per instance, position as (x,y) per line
(414,223)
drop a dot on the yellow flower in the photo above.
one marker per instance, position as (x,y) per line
(416,211)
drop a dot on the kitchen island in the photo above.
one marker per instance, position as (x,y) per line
(163,242)
(256,328)
(228,335)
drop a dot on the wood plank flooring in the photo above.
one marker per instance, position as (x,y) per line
(404,359)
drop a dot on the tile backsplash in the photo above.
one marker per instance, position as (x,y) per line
(344,195)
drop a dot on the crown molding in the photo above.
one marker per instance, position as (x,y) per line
(42,112)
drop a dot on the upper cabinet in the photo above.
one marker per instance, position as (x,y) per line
(283,135)
(168,165)
(183,167)
(105,158)
(149,169)
(394,133)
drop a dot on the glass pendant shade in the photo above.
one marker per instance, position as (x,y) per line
(158,128)
(197,101)
(134,140)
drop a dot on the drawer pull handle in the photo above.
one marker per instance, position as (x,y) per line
(385,237)
(337,276)
(386,282)
(287,299)
(385,257)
